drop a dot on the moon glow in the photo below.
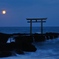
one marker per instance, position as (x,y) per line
(3,12)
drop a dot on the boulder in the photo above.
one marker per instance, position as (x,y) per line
(7,47)
(24,39)
(4,37)
(19,51)
(28,47)
(52,35)
(5,54)
(39,38)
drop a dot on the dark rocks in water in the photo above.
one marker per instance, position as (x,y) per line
(7,47)
(11,46)
(5,54)
(20,34)
(55,35)
(47,37)
(18,48)
(4,37)
(24,43)
(19,51)
(39,38)
(24,39)
(52,35)
(28,47)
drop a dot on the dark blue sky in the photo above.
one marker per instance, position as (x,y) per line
(19,10)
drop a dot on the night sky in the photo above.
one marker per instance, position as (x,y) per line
(19,10)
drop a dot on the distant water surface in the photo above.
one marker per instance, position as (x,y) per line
(27,29)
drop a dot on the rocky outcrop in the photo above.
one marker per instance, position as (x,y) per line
(28,47)
(25,43)
(5,54)
(4,37)
(39,38)
(24,39)
(51,35)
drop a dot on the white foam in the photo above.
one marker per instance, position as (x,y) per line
(11,39)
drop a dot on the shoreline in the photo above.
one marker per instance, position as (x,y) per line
(22,42)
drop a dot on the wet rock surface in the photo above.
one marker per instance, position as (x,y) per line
(23,42)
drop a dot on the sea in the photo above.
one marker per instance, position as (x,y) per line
(45,50)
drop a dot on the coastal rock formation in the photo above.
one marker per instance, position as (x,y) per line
(5,53)
(51,35)
(4,37)
(22,42)
(24,39)
(19,51)
(28,47)
(25,43)
(39,38)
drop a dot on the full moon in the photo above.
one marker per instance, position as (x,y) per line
(3,12)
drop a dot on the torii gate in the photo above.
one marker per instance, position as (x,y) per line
(33,20)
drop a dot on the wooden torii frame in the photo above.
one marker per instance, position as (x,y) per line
(34,20)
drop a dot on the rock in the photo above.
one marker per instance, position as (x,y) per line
(11,46)
(39,38)
(28,47)
(7,47)
(52,35)
(19,51)
(46,36)
(5,53)
(24,39)
(4,38)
